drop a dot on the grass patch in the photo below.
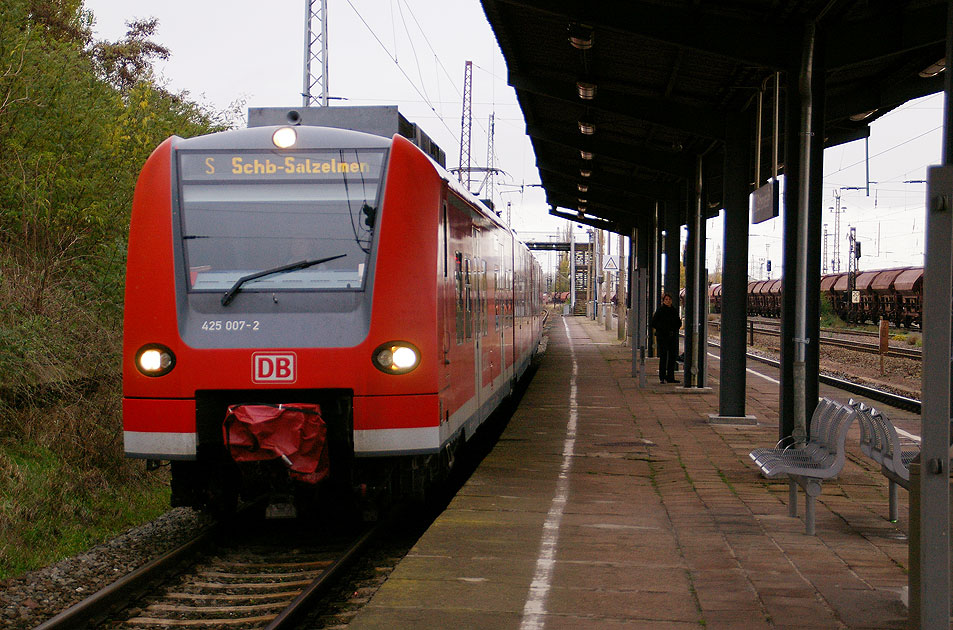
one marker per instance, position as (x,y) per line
(50,509)
(829,318)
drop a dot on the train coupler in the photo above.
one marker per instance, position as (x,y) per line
(281,507)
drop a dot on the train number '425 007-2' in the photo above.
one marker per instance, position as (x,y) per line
(230,325)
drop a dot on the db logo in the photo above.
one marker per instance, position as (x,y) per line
(273,367)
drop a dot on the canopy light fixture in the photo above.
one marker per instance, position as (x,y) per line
(933,69)
(586,155)
(863,115)
(585,172)
(582,201)
(580,36)
(587,127)
(583,187)
(587,90)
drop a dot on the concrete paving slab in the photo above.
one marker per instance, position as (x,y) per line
(663,523)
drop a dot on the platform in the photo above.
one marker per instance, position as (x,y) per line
(607,506)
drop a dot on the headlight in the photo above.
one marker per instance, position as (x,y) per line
(396,357)
(155,359)
(284,137)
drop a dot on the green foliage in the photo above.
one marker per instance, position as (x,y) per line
(829,318)
(77,120)
(563,282)
(50,509)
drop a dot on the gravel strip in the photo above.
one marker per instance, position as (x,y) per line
(900,376)
(29,600)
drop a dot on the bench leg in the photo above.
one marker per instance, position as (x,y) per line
(812,490)
(892,490)
(808,514)
(792,498)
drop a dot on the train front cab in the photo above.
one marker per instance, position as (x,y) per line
(470,334)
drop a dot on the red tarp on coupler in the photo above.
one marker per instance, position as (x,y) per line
(295,433)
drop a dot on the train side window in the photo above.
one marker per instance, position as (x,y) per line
(468,301)
(484,301)
(461,289)
(446,240)
(497,297)
(477,287)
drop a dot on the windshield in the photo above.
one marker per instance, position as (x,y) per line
(243,213)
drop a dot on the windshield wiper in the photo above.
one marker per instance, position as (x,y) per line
(303,264)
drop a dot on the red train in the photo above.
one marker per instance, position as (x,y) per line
(318,273)
(892,294)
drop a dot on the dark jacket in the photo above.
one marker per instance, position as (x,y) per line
(666,321)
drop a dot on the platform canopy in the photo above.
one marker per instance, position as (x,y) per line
(632,92)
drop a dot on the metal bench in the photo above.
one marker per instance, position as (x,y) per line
(880,442)
(809,464)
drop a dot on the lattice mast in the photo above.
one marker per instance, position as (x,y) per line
(315,53)
(489,160)
(838,209)
(466,124)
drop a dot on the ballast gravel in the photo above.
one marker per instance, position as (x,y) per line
(31,599)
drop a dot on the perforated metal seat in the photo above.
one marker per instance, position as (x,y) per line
(880,441)
(809,464)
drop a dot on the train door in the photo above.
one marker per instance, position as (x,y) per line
(488,340)
(499,308)
(476,283)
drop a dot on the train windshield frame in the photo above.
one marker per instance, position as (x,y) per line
(244,212)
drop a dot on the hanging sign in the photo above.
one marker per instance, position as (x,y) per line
(765,203)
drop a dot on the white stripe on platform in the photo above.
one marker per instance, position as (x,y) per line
(906,434)
(535,609)
(764,376)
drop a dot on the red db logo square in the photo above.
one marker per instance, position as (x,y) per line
(274,367)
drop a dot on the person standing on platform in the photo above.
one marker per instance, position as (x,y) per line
(666,323)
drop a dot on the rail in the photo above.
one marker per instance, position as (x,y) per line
(870,348)
(889,398)
(301,603)
(109,596)
(117,595)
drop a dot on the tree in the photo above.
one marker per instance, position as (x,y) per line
(126,62)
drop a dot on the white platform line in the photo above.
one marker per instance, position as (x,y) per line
(534,611)
(749,370)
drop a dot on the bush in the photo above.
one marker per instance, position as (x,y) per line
(77,120)
(829,318)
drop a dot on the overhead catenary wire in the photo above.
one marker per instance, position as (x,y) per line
(437,106)
(887,150)
(446,72)
(393,58)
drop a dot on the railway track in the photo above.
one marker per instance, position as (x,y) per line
(850,344)
(873,393)
(268,580)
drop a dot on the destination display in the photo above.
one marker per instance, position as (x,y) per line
(248,166)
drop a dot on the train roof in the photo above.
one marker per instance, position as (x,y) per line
(261,138)
(884,280)
(828,281)
(909,279)
(380,120)
(864,279)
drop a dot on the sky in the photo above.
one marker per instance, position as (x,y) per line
(411,53)
(888,221)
